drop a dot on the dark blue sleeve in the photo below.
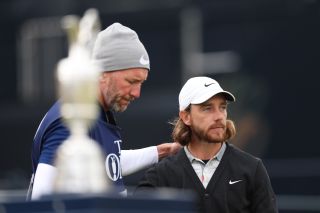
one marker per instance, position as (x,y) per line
(53,138)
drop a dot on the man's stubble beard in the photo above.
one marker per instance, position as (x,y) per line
(204,135)
(117,108)
(114,99)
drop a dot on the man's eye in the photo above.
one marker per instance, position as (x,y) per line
(206,108)
(224,107)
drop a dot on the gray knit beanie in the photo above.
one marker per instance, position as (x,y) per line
(118,47)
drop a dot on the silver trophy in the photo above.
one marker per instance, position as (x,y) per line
(79,160)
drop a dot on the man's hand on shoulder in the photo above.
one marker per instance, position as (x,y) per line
(166,149)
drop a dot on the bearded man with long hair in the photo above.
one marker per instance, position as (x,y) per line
(223,177)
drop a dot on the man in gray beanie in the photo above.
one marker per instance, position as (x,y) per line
(117,48)
(124,64)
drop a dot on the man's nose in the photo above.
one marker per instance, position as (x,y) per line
(135,91)
(218,115)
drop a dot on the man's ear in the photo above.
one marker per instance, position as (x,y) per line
(102,77)
(185,117)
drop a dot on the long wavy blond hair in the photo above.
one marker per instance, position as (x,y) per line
(182,133)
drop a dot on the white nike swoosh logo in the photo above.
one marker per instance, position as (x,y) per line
(143,61)
(233,182)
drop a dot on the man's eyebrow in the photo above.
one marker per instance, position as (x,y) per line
(205,104)
(208,103)
(140,80)
(136,79)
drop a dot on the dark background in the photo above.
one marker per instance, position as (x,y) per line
(276,86)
